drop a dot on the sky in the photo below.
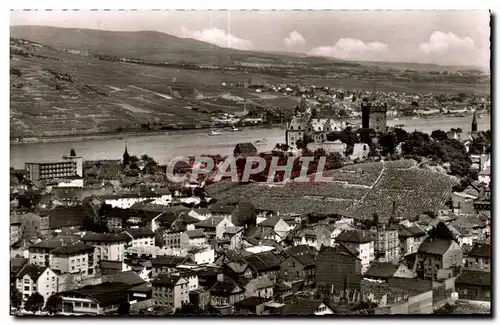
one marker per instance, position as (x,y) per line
(441,37)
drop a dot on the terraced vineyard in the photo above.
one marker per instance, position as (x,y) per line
(413,189)
(360,174)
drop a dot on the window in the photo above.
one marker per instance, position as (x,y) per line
(26,288)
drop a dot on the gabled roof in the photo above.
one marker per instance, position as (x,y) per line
(263,261)
(210,223)
(195,233)
(381,270)
(64,216)
(140,232)
(168,280)
(251,302)
(300,249)
(305,259)
(354,236)
(261,283)
(271,222)
(480,250)
(170,260)
(436,246)
(226,288)
(128,277)
(474,277)
(237,267)
(111,265)
(17,263)
(345,249)
(105,293)
(73,249)
(48,244)
(34,271)
(99,237)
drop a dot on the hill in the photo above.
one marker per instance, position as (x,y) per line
(78,81)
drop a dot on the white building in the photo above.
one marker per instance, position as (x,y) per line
(33,278)
(110,247)
(193,238)
(141,237)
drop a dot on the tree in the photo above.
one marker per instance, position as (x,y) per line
(54,304)
(401,135)
(34,303)
(16,298)
(124,308)
(189,309)
(366,135)
(145,158)
(388,143)
(439,135)
(133,159)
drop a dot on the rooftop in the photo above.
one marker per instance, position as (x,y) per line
(140,232)
(73,249)
(480,250)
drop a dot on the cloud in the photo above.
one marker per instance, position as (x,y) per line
(449,48)
(442,43)
(294,39)
(353,49)
(218,37)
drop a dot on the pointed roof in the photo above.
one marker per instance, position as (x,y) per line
(34,271)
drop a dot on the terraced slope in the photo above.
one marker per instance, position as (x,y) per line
(369,188)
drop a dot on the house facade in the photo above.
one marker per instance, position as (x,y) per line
(170,292)
(32,278)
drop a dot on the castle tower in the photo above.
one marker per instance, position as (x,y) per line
(474,124)
(378,117)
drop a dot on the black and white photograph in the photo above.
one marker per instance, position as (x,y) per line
(250,163)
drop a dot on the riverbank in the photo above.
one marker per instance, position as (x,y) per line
(119,136)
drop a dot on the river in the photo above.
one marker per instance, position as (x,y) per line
(166,146)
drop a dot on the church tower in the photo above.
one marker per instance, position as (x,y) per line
(126,157)
(474,124)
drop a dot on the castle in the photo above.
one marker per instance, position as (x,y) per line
(317,128)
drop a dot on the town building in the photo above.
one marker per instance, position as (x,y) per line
(474,285)
(338,272)
(361,242)
(109,247)
(439,254)
(141,237)
(101,299)
(76,258)
(300,267)
(170,292)
(386,243)
(193,238)
(479,257)
(33,278)
(39,172)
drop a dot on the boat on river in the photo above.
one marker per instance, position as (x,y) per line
(214,133)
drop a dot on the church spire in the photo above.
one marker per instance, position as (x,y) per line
(474,123)
(126,156)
